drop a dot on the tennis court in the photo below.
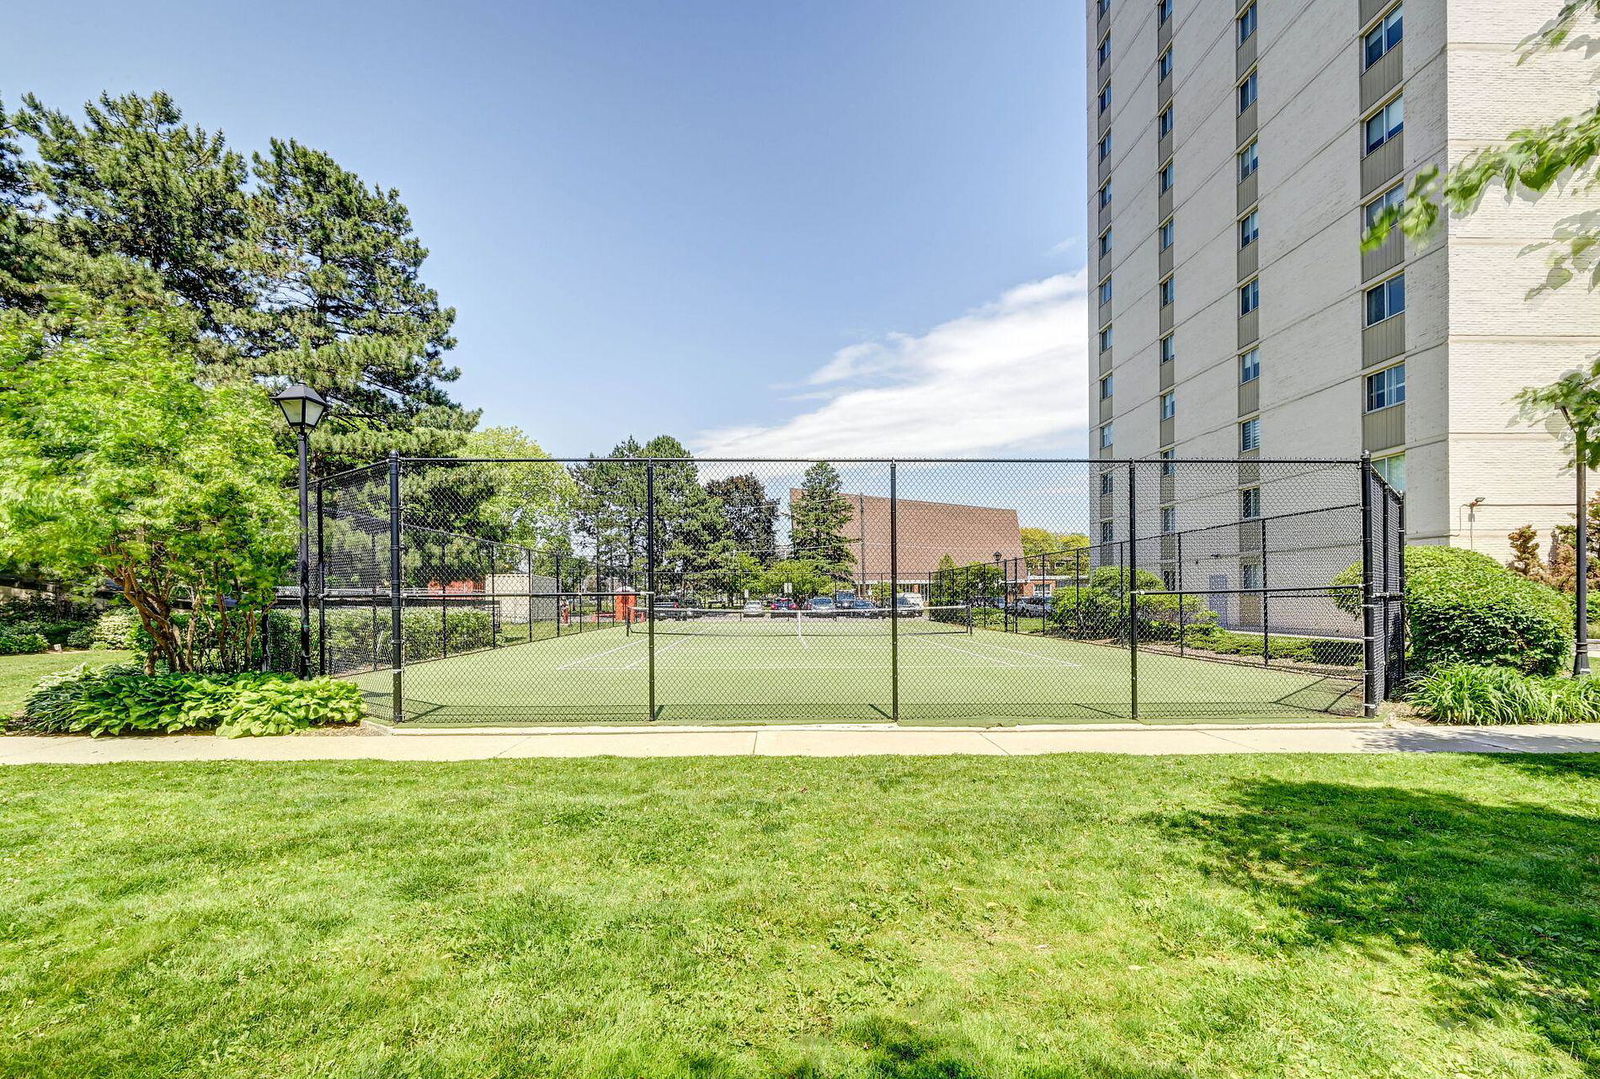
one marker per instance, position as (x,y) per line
(729,670)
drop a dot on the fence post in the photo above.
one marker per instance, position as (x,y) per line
(649,577)
(1266,639)
(494,604)
(1183,628)
(397,658)
(1371,690)
(894,595)
(1131,595)
(1398,672)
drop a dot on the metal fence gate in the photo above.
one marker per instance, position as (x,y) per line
(470,591)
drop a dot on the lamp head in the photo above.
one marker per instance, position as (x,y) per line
(302,406)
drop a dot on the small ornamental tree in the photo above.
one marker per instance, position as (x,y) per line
(818,518)
(117,463)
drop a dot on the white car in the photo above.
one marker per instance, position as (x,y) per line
(753,608)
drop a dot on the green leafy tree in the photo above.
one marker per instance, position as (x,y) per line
(693,550)
(117,463)
(608,511)
(750,517)
(803,576)
(818,519)
(1053,550)
(1531,161)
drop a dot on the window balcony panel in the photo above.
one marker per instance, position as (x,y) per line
(1383,164)
(1381,78)
(1384,429)
(1383,340)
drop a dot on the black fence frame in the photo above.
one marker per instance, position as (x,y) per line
(1382,587)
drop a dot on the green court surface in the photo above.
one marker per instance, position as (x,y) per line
(981,677)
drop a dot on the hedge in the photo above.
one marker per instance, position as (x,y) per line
(123,700)
(21,643)
(1464,607)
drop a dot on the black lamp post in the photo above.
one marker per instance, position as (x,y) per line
(303,408)
(1580,469)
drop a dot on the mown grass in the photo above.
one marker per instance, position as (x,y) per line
(1132,918)
(19,673)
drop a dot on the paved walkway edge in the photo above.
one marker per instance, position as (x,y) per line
(807,742)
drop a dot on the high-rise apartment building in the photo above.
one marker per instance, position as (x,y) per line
(1236,155)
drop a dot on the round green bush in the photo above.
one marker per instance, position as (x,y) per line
(1464,607)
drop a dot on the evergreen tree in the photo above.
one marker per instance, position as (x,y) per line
(290,265)
(818,518)
(750,517)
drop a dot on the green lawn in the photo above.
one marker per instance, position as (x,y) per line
(839,671)
(1425,917)
(19,673)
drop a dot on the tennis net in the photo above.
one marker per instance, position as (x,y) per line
(720,622)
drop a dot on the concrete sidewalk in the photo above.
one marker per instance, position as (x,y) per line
(377,744)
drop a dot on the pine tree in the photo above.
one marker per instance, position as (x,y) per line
(750,517)
(818,518)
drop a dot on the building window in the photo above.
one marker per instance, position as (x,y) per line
(1167,467)
(1249,229)
(1107,437)
(1105,532)
(1250,572)
(1249,366)
(1163,10)
(1105,146)
(1105,339)
(1386,123)
(1248,162)
(1164,64)
(1103,6)
(1165,178)
(1164,122)
(1382,37)
(1373,211)
(1250,503)
(1102,52)
(1105,97)
(1386,388)
(1168,292)
(1169,520)
(1105,292)
(1247,23)
(1105,483)
(1392,469)
(1248,91)
(1249,296)
(1169,405)
(1386,299)
(1105,243)
(1105,194)
(1250,434)
(1167,233)
(1105,388)
(1169,348)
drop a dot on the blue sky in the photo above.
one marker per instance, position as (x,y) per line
(813,227)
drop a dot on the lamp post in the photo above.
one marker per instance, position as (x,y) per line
(303,408)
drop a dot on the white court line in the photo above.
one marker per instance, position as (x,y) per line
(585,659)
(980,655)
(642,660)
(1034,655)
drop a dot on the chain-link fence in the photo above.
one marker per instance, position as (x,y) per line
(474,592)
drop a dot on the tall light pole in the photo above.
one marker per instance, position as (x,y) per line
(303,408)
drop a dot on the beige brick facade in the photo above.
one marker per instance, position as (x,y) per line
(1469,337)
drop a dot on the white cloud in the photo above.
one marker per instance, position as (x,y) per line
(1010,376)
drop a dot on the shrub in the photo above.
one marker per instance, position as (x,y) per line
(1464,607)
(1101,609)
(122,699)
(21,643)
(1471,694)
(115,629)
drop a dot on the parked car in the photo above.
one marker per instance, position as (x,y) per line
(672,610)
(783,605)
(910,605)
(1031,607)
(753,608)
(861,608)
(822,605)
